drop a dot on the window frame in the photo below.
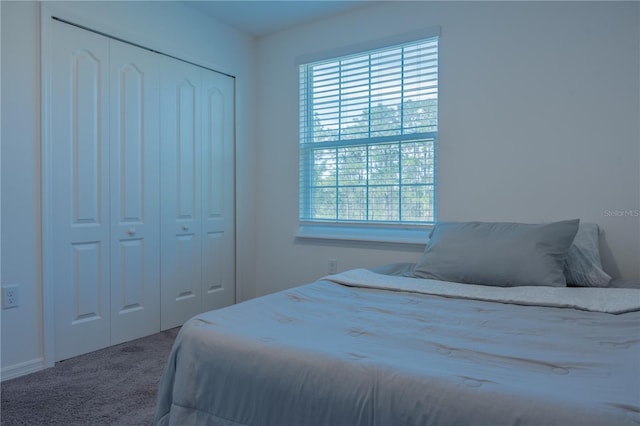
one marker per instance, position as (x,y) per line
(394,232)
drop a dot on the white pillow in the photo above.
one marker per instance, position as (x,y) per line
(583,267)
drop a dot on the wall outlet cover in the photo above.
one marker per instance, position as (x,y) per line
(10,296)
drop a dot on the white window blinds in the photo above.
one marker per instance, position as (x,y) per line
(368,132)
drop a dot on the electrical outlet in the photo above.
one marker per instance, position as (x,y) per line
(333,266)
(10,296)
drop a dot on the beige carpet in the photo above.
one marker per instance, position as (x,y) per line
(112,386)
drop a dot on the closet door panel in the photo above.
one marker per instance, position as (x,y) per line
(213,268)
(187,144)
(80,185)
(187,252)
(87,281)
(181,188)
(218,190)
(135,192)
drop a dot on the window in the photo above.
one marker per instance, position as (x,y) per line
(368,134)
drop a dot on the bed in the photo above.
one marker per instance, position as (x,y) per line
(390,347)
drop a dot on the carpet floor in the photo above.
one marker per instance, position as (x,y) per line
(113,386)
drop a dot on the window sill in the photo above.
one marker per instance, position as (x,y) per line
(368,235)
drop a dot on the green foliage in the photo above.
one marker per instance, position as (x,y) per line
(383,181)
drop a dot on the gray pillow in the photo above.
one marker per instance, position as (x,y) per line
(500,254)
(583,267)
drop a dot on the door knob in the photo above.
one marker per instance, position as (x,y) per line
(131,231)
(185,227)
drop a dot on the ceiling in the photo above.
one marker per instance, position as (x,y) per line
(262,17)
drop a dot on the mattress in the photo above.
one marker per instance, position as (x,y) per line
(362,348)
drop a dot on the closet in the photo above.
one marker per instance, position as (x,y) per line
(140,190)
(197,196)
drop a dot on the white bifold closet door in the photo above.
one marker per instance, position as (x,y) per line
(198,241)
(106,215)
(142,190)
(80,222)
(134,144)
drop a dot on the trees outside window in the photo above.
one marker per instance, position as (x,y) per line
(368,137)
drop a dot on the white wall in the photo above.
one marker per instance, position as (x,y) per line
(539,111)
(166,26)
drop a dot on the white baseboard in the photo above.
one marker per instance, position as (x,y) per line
(21,369)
